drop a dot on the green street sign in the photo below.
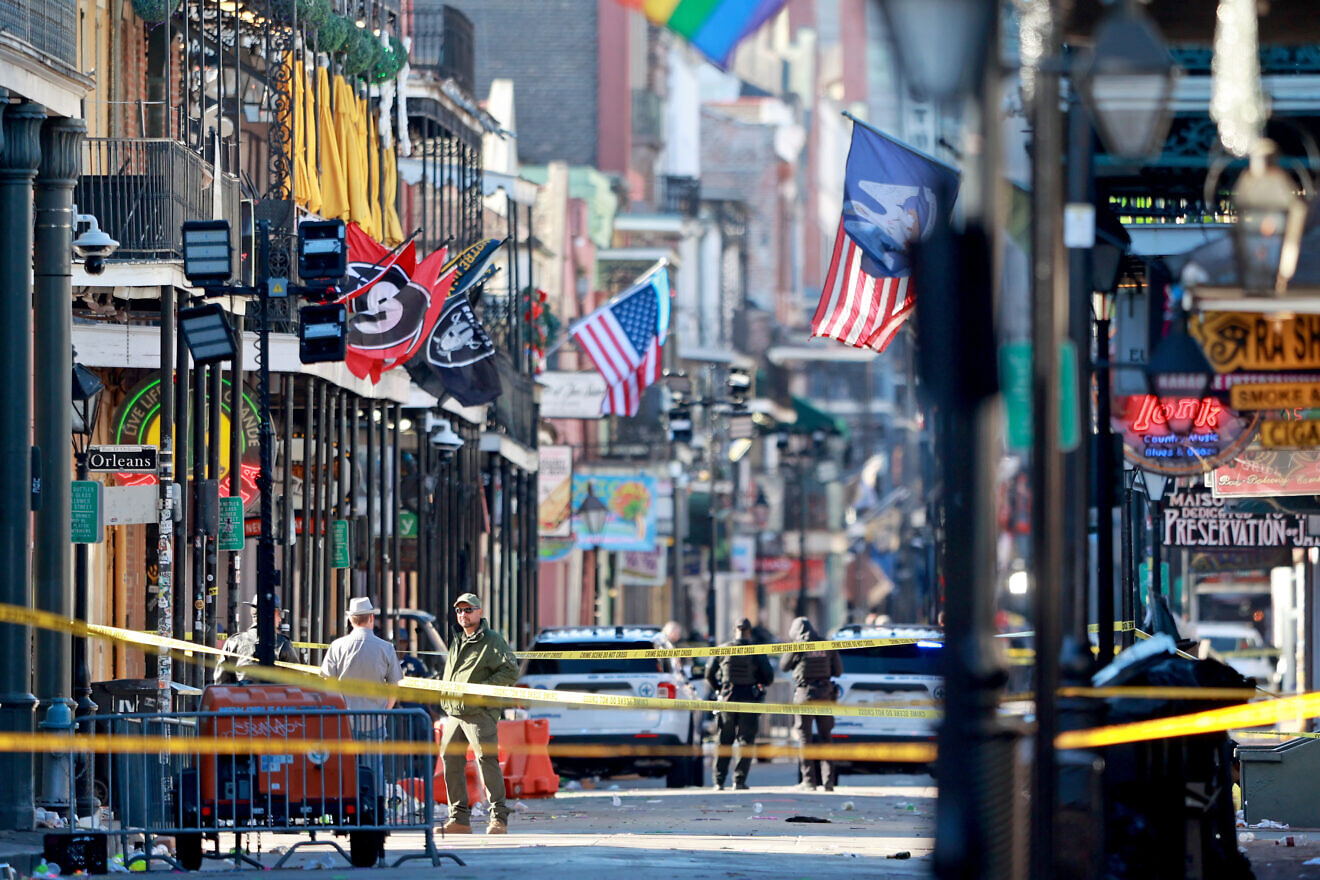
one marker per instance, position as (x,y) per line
(339,557)
(407,524)
(231,524)
(1015,377)
(1168,587)
(88,526)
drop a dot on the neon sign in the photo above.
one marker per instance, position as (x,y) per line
(138,422)
(1181,436)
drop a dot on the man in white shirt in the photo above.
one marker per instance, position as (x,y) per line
(363,656)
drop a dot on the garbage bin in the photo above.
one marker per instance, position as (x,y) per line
(1168,802)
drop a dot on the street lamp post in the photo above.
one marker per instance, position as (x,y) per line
(86,398)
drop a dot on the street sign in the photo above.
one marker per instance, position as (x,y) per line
(122,459)
(407,524)
(231,524)
(1167,586)
(1016,375)
(88,522)
(340,557)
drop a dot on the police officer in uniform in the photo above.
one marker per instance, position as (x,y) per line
(740,678)
(813,677)
(241,650)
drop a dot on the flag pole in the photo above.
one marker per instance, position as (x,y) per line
(896,142)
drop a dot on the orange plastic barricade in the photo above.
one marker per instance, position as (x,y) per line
(524,761)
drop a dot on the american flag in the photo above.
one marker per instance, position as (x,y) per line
(856,308)
(625,339)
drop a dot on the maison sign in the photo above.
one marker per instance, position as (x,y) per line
(1196,518)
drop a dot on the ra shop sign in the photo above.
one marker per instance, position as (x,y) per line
(1235,341)
(1196,518)
(1180,436)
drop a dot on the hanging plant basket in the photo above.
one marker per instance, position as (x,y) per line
(390,61)
(333,33)
(315,15)
(154,11)
(361,51)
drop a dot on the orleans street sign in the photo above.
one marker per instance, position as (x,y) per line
(122,459)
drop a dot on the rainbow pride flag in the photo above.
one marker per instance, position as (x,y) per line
(714,27)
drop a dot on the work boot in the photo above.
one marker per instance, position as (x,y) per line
(497,827)
(740,786)
(453,826)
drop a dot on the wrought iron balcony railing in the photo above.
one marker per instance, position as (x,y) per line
(443,44)
(143,189)
(48,26)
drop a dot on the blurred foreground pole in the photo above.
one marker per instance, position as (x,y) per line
(1049,324)
(957,274)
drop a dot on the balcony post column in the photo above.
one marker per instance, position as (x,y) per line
(20,151)
(57,174)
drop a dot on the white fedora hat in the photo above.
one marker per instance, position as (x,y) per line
(361,605)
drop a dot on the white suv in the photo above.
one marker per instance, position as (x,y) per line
(633,676)
(893,676)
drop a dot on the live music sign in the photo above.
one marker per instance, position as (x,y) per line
(1180,436)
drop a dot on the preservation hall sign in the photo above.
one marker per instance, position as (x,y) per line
(1196,518)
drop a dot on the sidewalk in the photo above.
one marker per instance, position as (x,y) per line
(21,850)
(1272,859)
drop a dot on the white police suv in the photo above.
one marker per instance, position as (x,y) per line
(596,726)
(891,676)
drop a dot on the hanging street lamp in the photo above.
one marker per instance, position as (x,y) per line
(1271,215)
(1126,82)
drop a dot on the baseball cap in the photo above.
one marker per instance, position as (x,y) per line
(743,624)
(469,598)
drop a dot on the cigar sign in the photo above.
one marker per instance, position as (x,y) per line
(1196,518)
(1181,436)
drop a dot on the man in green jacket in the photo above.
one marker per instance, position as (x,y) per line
(479,656)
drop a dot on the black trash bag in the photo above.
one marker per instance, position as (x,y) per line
(1165,796)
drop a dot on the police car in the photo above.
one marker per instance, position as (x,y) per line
(633,677)
(890,676)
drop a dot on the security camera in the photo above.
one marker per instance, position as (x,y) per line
(442,435)
(93,245)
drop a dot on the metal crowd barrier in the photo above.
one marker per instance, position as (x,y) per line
(202,793)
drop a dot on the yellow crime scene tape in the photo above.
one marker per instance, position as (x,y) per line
(713,651)
(1258,714)
(427,690)
(104,744)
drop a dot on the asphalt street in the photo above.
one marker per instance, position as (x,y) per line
(874,826)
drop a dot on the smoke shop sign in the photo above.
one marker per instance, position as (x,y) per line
(1196,518)
(1181,436)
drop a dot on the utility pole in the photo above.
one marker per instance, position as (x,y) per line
(268,579)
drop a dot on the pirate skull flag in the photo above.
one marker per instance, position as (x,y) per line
(458,358)
(392,302)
